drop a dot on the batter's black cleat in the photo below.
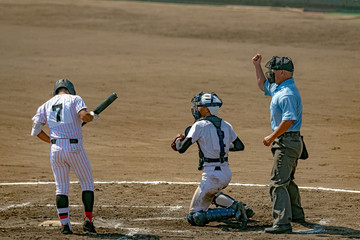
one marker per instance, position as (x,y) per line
(65,229)
(88,227)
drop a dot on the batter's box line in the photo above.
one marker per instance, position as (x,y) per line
(106,222)
(170,208)
(177,183)
(28,204)
(131,231)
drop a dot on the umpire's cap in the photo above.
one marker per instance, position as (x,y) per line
(64,83)
(280,63)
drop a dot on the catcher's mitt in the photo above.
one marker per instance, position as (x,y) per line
(178,136)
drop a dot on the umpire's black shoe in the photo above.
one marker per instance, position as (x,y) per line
(65,229)
(299,220)
(276,229)
(89,227)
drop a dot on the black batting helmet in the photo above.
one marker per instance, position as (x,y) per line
(64,83)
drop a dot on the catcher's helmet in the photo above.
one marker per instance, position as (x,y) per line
(209,100)
(64,83)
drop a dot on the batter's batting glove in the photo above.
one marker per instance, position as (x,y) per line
(95,116)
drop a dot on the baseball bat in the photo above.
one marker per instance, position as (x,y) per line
(104,105)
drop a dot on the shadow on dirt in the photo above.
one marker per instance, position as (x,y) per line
(231,225)
(119,236)
(312,229)
(326,230)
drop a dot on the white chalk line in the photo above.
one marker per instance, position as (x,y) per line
(15,206)
(177,183)
(28,204)
(170,208)
(135,231)
(143,219)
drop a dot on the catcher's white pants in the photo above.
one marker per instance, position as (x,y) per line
(212,182)
(65,155)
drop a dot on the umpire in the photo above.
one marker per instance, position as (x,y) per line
(285,140)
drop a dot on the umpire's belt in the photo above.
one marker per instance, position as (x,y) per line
(287,134)
(212,160)
(53,141)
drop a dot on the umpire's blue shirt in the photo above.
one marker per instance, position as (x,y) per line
(285,104)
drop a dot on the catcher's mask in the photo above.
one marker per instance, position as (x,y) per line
(278,63)
(64,83)
(209,100)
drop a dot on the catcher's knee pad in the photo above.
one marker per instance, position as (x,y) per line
(217,204)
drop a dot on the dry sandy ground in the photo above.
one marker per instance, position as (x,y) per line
(156,57)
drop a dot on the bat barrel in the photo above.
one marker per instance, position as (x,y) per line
(104,105)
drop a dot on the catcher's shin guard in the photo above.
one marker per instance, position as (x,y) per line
(202,218)
(222,200)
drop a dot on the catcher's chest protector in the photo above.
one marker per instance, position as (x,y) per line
(216,121)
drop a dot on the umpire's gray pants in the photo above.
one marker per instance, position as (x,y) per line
(285,196)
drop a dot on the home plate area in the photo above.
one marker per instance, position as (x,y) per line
(158,211)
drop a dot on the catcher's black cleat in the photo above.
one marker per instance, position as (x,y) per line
(65,229)
(88,227)
(249,212)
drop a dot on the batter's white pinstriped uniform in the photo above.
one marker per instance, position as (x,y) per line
(60,113)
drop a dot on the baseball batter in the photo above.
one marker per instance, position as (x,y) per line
(64,114)
(215,138)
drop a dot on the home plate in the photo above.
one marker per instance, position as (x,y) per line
(54,223)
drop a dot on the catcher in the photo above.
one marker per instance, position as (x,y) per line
(215,138)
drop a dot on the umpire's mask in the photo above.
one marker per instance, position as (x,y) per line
(278,63)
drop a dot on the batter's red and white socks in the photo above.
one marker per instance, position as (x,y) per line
(64,216)
(88,217)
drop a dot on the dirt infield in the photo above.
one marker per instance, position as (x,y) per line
(156,57)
